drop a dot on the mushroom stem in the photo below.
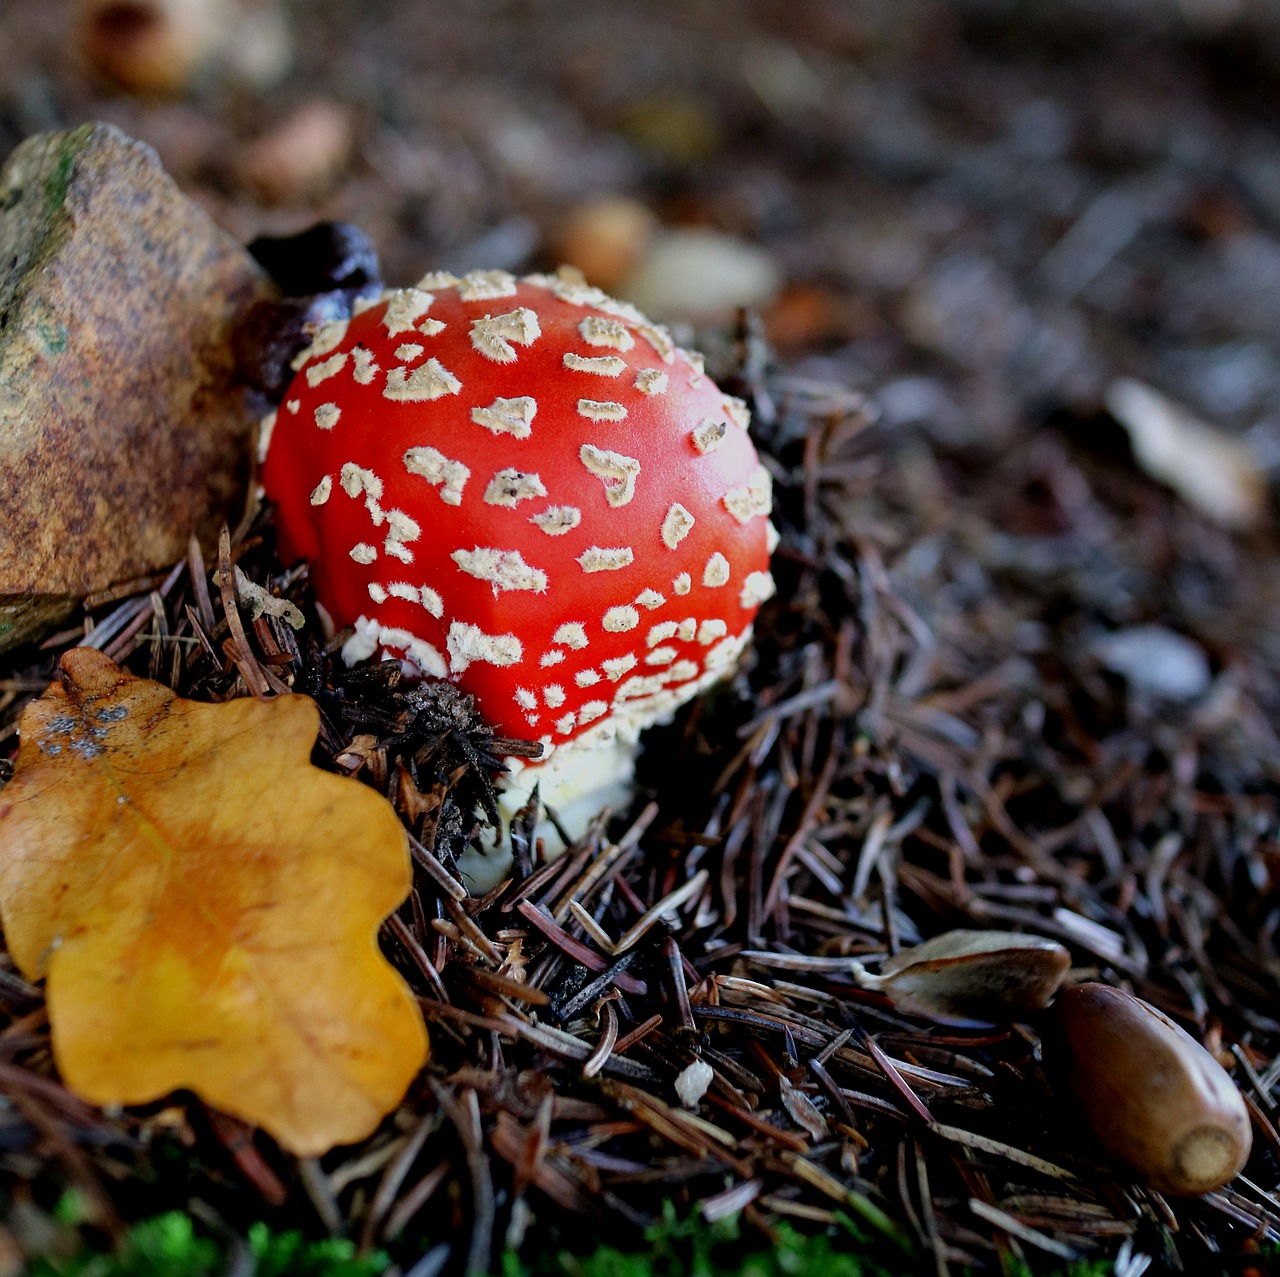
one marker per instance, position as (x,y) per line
(577,782)
(526,488)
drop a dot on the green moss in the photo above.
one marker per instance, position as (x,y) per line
(170,1246)
(689,1248)
(58,182)
(35,227)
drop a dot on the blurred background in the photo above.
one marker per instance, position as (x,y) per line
(979,211)
(1041,238)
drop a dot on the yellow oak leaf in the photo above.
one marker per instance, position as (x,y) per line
(204,904)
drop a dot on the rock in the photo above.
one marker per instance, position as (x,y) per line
(123,429)
(301,156)
(260,49)
(1155,660)
(693,1083)
(24,619)
(701,275)
(605,239)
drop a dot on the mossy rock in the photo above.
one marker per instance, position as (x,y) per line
(24,619)
(123,427)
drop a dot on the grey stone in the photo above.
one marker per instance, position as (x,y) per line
(1155,660)
(123,428)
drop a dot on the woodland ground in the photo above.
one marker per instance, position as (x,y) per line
(1009,679)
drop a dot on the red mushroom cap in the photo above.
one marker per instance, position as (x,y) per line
(525,487)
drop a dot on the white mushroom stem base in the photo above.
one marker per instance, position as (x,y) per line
(576,782)
(578,779)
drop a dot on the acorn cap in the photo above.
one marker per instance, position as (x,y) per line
(973,977)
(525,487)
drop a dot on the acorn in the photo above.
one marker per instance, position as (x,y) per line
(970,978)
(1153,1097)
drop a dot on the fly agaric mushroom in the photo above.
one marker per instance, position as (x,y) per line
(525,487)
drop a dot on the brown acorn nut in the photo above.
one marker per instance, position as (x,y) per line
(1154,1098)
(972,977)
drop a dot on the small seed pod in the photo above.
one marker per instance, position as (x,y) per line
(1154,1098)
(972,978)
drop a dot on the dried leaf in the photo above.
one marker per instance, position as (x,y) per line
(802,1110)
(1213,471)
(204,904)
(973,977)
(261,601)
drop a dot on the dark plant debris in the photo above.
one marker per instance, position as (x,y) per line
(895,759)
(959,711)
